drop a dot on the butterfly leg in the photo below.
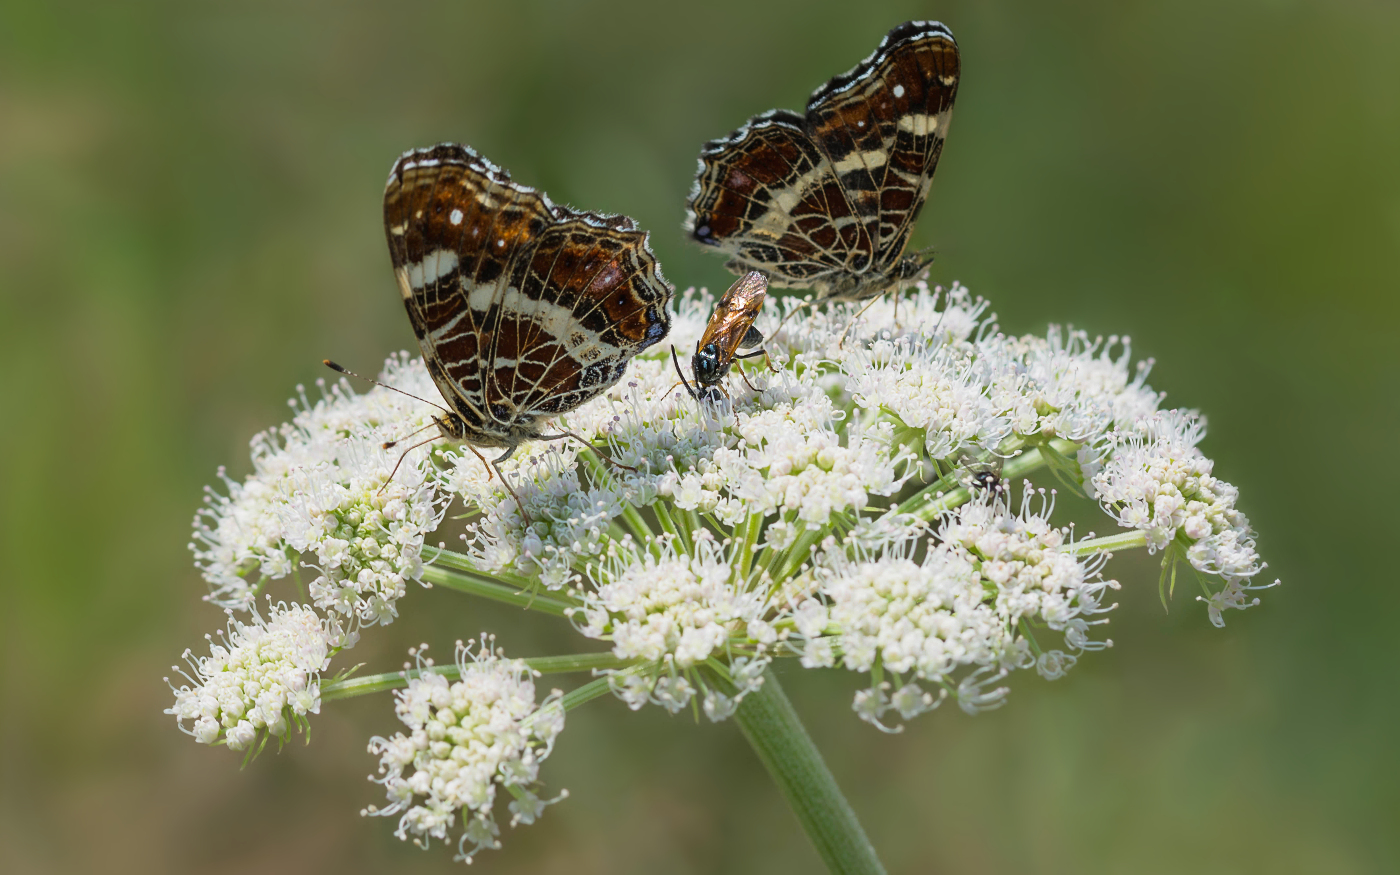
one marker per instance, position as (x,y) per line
(856,318)
(402,455)
(495,465)
(805,304)
(605,457)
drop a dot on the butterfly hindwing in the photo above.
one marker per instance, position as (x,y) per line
(523,309)
(827,199)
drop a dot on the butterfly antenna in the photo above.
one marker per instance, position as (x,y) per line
(339,369)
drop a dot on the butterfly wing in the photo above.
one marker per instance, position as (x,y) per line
(587,299)
(883,123)
(453,220)
(826,200)
(768,197)
(522,308)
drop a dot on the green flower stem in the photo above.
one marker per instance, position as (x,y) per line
(586,693)
(789,562)
(668,525)
(376,683)
(927,505)
(1125,541)
(641,532)
(751,531)
(480,585)
(458,562)
(782,744)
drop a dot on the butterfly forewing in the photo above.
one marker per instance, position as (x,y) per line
(826,200)
(523,309)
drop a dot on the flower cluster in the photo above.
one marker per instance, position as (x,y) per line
(821,508)
(986,579)
(676,609)
(1156,480)
(466,740)
(321,496)
(264,680)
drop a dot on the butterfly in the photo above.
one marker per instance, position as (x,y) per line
(826,200)
(524,309)
(729,330)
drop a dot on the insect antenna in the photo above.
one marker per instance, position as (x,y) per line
(340,369)
(677,362)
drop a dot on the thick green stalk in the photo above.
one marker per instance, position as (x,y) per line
(782,744)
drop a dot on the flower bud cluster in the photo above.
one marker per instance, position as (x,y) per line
(465,741)
(320,495)
(264,679)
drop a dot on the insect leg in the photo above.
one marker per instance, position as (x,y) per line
(495,464)
(856,318)
(606,458)
(401,457)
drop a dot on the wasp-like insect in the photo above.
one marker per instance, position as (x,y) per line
(731,329)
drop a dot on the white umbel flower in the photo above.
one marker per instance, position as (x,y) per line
(678,608)
(986,579)
(1156,480)
(466,740)
(320,496)
(263,680)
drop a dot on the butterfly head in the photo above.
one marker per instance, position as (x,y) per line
(912,265)
(492,433)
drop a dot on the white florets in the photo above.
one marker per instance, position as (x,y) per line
(261,681)
(1156,480)
(466,740)
(819,507)
(987,578)
(677,609)
(320,496)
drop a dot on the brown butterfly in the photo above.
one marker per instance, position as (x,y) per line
(524,309)
(827,199)
(729,330)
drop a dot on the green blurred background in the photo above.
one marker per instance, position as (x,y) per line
(190,221)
